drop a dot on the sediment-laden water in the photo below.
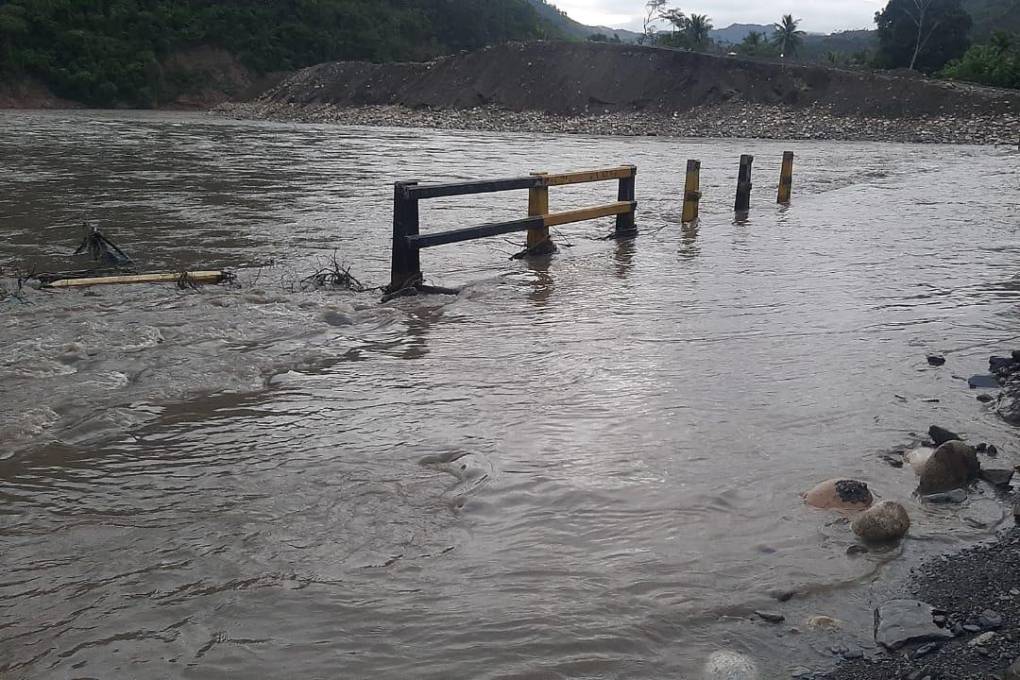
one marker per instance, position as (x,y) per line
(583,468)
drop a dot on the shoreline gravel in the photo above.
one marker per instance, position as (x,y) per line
(730,120)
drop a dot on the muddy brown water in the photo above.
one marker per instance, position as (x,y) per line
(583,468)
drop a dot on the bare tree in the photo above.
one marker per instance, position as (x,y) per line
(653,13)
(917,10)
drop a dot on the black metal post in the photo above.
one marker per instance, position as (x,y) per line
(625,224)
(743,202)
(405,265)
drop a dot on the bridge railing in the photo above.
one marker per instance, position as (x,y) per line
(405,269)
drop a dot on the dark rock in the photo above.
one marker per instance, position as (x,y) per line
(954,496)
(1013,672)
(951,466)
(901,622)
(971,628)
(925,650)
(784,595)
(895,461)
(997,477)
(770,616)
(1001,364)
(984,398)
(992,450)
(1008,406)
(941,435)
(939,619)
(990,620)
(936,360)
(853,652)
(984,382)
(981,448)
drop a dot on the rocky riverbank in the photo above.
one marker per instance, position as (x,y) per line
(970,632)
(957,616)
(731,120)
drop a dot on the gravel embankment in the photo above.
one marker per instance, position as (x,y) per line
(732,120)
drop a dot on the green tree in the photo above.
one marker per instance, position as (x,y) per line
(922,35)
(996,63)
(787,37)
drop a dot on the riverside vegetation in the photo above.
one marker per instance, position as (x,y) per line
(137,53)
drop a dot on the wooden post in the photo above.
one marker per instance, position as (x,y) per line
(405,265)
(786,179)
(743,202)
(625,225)
(539,242)
(692,192)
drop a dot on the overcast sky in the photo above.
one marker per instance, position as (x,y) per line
(823,16)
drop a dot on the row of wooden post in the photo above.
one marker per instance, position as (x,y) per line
(692,186)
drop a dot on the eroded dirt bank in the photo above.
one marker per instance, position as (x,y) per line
(611,89)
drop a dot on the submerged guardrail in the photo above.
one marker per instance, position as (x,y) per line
(405,269)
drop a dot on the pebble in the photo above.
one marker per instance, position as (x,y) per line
(982,640)
(925,650)
(936,360)
(990,619)
(984,398)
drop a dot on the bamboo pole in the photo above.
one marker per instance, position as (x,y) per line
(539,241)
(786,179)
(692,192)
(193,277)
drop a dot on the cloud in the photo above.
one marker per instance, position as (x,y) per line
(823,16)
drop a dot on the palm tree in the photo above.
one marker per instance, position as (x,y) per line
(787,37)
(698,26)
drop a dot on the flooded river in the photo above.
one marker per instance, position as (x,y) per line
(588,467)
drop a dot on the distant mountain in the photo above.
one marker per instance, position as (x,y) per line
(574,29)
(735,33)
(816,47)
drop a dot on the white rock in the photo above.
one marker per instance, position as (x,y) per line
(726,665)
(917,458)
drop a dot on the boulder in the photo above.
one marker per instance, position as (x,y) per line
(886,521)
(952,466)
(941,435)
(902,622)
(840,494)
(728,665)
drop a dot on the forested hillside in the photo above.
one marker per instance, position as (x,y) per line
(120,52)
(993,15)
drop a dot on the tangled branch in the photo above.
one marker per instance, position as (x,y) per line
(333,274)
